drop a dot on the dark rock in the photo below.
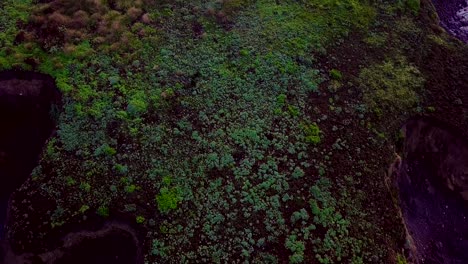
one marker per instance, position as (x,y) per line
(453,16)
(433,185)
(26,100)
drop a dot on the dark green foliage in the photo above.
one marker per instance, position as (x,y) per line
(208,102)
(298,173)
(336,244)
(293,111)
(105,150)
(137,105)
(121,169)
(282,99)
(159,248)
(297,248)
(300,215)
(412,6)
(298,25)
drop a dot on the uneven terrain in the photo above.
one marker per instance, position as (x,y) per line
(230,131)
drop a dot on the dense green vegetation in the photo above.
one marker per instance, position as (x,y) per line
(219,126)
(391,85)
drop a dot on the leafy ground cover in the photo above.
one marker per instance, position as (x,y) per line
(225,131)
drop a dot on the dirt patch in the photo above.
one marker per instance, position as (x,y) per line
(433,186)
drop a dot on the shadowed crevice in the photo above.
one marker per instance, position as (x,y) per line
(433,189)
(27,100)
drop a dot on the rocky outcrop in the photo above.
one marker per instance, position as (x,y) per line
(26,102)
(433,183)
(454,17)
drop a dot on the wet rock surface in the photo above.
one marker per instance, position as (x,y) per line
(433,188)
(454,17)
(26,102)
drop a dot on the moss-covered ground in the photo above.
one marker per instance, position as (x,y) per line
(224,131)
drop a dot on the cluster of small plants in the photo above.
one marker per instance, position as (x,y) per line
(196,118)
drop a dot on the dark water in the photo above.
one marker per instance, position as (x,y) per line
(453,16)
(432,179)
(115,248)
(26,101)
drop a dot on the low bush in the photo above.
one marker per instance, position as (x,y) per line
(391,87)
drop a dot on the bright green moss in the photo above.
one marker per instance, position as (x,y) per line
(168,198)
(391,86)
(140,219)
(296,26)
(103,211)
(336,74)
(130,188)
(312,133)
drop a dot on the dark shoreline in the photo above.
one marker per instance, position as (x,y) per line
(447,12)
(430,180)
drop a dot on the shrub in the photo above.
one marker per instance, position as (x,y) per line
(281,99)
(85,186)
(168,198)
(83,209)
(391,87)
(121,169)
(312,133)
(412,5)
(298,173)
(297,247)
(299,215)
(159,248)
(106,150)
(400,259)
(103,211)
(137,106)
(130,188)
(140,219)
(336,74)
(230,6)
(293,111)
